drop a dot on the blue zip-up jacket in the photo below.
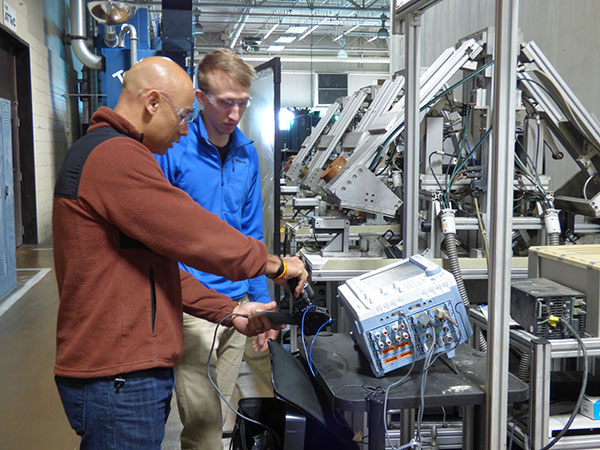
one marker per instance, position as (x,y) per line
(231,191)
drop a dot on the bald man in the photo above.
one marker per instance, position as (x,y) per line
(119,228)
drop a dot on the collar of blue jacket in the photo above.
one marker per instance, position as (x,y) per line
(197,130)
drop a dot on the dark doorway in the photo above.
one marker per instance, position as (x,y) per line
(15,85)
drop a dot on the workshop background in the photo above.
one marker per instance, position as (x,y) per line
(52,94)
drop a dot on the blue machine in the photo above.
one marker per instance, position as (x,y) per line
(117,60)
(400,311)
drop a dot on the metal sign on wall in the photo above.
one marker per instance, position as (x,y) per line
(9,16)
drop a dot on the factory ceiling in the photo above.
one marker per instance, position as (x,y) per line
(300,29)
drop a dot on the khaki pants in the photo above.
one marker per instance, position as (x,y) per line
(200,407)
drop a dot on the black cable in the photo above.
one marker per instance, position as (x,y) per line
(455,85)
(583,386)
(435,176)
(549,94)
(423,108)
(394,385)
(387,164)
(424,374)
(242,416)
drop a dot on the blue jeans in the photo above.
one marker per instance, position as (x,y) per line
(123,412)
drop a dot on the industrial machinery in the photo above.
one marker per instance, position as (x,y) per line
(356,163)
(534,301)
(404,311)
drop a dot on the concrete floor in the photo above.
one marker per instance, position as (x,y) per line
(32,416)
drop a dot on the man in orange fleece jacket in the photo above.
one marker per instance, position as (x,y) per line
(119,230)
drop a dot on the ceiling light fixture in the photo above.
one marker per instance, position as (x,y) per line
(312,29)
(383,33)
(285,39)
(275,48)
(270,31)
(342,53)
(296,30)
(308,32)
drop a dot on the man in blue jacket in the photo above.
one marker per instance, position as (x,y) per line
(218,167)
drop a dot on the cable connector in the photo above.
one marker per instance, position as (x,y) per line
(553,320)
(424,319)
(447,221)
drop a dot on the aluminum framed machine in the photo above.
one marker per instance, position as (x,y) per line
(559,115)
(354,158)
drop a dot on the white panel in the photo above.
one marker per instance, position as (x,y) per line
(296,89)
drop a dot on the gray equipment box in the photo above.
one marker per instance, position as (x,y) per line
(575,266)
(533,300)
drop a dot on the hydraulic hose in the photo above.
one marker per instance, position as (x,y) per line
(449,231)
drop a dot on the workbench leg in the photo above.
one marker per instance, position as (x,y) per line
(478,427)
(468,427)
(407,424)
(375,421)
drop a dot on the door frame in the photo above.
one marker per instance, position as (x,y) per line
(26,161)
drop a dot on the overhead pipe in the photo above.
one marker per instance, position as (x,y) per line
(239,28)
(276,7)
(79,37)
(110,36)
(337,18)
(133,41)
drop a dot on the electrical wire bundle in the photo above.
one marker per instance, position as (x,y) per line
(396,132)
(214,385)
(416,442)
(308,359)
(308,355)
(533,177)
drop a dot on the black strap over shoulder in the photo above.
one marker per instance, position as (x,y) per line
(67,182)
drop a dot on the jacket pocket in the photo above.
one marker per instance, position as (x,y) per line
(237,186)
(152,297)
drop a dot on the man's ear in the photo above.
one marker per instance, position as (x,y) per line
(201,96)
(151,101)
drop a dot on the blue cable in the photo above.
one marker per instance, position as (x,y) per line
(310,364)
(302,331)
(472,154)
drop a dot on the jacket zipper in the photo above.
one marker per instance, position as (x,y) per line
(152,297)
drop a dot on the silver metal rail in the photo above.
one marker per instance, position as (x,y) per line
(293,173)
(504,104)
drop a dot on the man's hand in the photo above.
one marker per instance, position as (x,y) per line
(255,323)
(295,269)
(261,343)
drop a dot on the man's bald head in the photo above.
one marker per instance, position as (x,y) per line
(156,72)
(156,93)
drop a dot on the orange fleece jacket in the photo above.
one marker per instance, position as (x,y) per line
(119,228)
